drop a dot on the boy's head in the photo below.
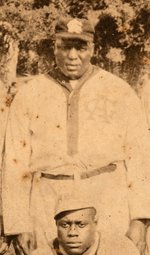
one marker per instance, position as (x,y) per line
(76,223)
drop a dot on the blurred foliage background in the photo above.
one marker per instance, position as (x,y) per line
(122,38)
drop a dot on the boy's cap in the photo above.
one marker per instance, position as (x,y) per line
(72,202)
(68,27)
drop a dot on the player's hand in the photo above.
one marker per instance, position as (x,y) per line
(137,233)
(24,243)
(3,246)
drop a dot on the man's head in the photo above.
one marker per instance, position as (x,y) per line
(73,46)
(76,225)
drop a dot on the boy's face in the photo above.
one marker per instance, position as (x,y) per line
(73,56)
(76,230)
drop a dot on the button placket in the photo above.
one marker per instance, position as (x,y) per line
(72,123)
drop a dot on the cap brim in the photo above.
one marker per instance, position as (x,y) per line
(83,37)
(69,210)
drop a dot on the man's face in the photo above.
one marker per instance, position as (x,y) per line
(73,56)
(76,231)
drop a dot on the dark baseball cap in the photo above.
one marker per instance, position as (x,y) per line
(71,28)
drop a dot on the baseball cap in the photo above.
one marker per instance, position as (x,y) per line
(68,27)
(72,202)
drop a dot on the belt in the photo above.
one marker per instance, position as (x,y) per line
(83,175)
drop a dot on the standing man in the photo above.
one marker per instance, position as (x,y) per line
(78,122)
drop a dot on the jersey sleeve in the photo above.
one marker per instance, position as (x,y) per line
(17,177)
(137,151)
